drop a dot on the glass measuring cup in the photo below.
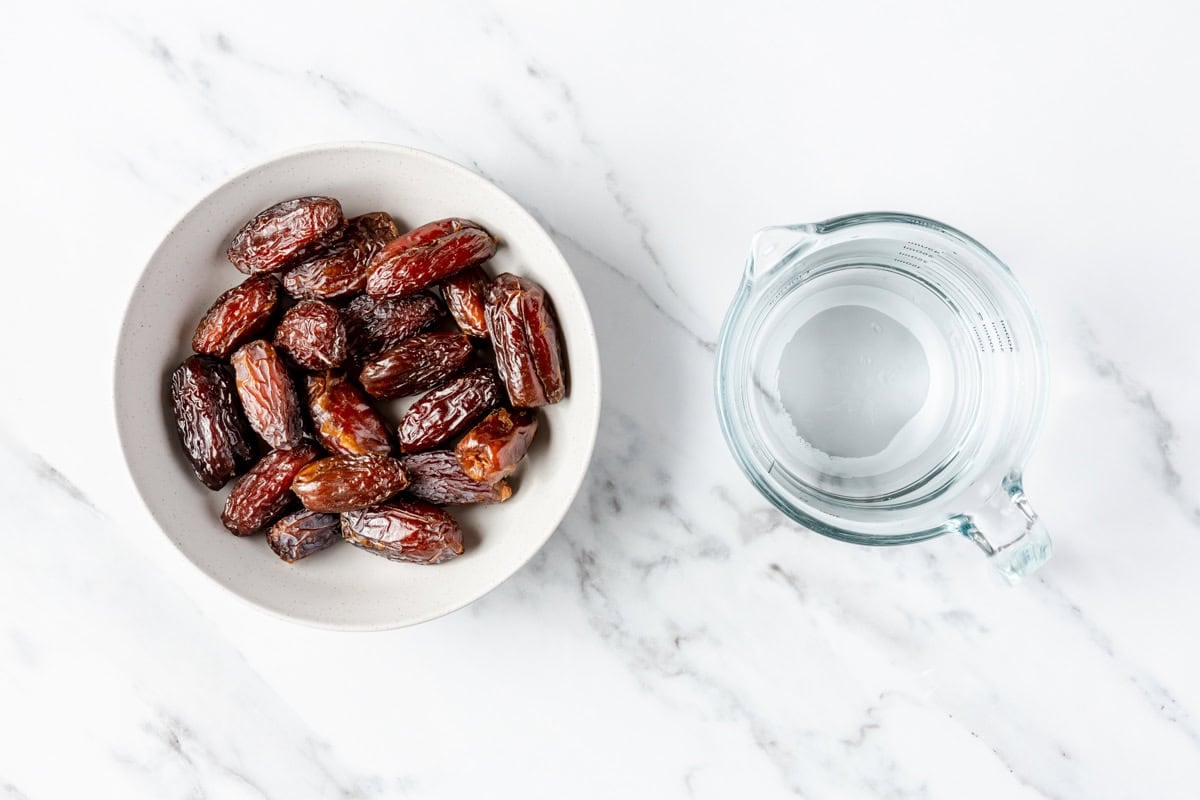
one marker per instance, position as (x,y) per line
(881,379)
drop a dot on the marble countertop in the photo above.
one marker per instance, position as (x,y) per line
(676,638)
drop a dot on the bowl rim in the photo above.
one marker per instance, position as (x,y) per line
(584,323)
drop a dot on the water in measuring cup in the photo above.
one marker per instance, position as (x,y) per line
(861,374)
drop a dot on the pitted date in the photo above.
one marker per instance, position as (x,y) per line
(313,334)
(263,493)
(302,533)
(492,449)
(373,325)
(448,410)
(268,395)
(415,364)
(436,477)
(284,233)
(211,429)
(345,422)
(346,483)
(466,296)
(341,268)
(403,268)
(237,315)
(525,338)
(405,530)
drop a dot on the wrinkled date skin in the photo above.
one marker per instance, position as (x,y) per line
(285,232)
(492,449)
(236,316)
(448,410)
(345,422)
(405,530)
(415,364)
(341,269)
(267,394)
(302,533)
(525,339)
(402,268)
(373,325)
(213,432)
(347,483)
(466,296)
(313,334)
(436,477)
(263,493)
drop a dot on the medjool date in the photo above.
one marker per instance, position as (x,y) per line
(211,428)
(347,483)
(405,530)
(285,232)
(268,395)
(448,410)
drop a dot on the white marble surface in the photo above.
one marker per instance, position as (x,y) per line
(676,638)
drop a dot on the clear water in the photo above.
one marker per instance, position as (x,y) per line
(851,379)
(862,380)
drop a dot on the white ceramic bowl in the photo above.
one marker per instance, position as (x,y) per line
(345,587)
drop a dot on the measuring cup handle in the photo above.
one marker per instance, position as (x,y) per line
(1009,531)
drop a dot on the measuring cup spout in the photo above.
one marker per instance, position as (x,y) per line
(1010,532)
(776,246)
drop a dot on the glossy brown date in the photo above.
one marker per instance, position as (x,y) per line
(263,493)
(405,530)
(236,316)
(345,422)
(436,477)
(284,233)
(313,334)
(302,533)
(373,325)
(415,364)
(402,268)
(492,449)
(211,428)
(341,268)
(465,294)
(525,338)
(432,232)
(347,483)
(268,395)
(448,410)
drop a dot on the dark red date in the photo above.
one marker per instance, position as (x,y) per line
(492,449)
(373,325)
(448,410)
(405,530)
(267,394)
(263,493)
(302,533)
(211,428)
(431,233)
(525,338)
(284,233)
(436,477)
(341,269)
(401,268)
(466,294)
(347,483)
(237,315)
(313,334)
(415,364)
(345,422)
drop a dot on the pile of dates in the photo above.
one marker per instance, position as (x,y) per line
(336,313)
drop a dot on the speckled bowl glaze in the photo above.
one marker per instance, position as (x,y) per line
(344,587)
